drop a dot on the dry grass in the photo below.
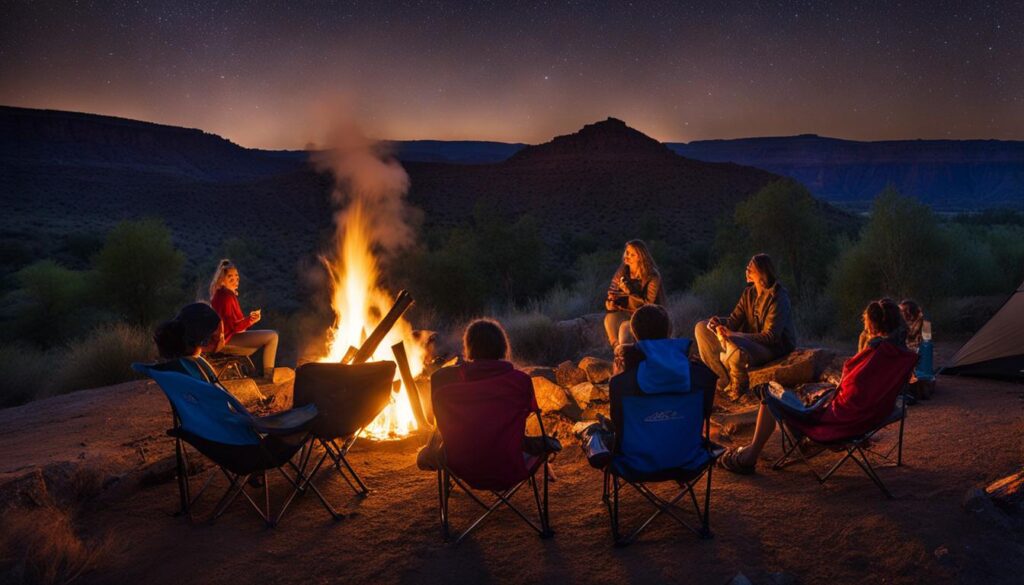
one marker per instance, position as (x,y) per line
(42,546)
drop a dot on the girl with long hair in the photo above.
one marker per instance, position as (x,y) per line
(635,283)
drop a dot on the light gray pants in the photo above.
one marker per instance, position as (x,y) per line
(616,327)
(748,354)
(249,342)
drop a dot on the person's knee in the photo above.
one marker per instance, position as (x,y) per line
(701,333)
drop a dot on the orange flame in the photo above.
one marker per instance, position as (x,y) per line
(360,304)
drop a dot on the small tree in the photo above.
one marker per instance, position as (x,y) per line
(138,271)
(783,220)
(902,252)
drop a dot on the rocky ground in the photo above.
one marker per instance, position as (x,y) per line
(99,463)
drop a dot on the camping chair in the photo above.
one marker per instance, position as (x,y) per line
(662,436)
(241,445)
(482,431)
(230,366)
(856,448)
(348,398)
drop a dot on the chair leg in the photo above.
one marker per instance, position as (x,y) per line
(705,529)
(870,471)
(899,444)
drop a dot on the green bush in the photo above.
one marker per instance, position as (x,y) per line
(138,271)
(50,305)
(26,373)
(104,358)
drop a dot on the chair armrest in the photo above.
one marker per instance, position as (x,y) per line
(287,422)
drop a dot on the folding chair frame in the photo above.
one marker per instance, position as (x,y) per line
(229,366)
(300,482)
(337,454)
(613,482)
(856,449)
(447,481)
(610,496)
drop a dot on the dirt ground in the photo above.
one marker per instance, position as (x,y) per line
(774,527)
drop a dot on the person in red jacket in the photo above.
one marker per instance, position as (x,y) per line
(871,381)
(237,337)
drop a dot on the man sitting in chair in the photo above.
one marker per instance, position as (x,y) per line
(485,346)
(866,395)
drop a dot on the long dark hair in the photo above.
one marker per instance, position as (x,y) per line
(766,268)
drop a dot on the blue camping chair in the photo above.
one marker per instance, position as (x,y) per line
(243,446)
(661,416)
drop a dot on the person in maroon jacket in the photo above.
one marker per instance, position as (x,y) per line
(236,334)
(486,348)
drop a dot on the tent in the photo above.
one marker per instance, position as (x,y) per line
(997,349)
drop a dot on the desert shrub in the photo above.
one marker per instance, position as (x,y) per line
(686,310)
(41,545)
(721,286)
(51,303)
(26,373)
(536,339)
(490,262)
(138,271)
(104,358)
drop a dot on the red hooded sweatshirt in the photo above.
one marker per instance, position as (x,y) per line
(232,319)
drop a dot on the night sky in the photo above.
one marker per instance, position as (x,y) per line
(261,73)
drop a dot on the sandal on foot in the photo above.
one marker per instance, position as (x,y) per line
(730,461)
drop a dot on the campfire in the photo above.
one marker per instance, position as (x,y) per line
(369,222)
(369,325)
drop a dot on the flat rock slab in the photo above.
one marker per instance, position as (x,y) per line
(598,370)
(803,366)
(82,444)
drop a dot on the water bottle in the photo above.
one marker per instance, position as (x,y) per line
(924,370)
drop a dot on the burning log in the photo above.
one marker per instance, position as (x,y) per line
(410,384)
(365,352)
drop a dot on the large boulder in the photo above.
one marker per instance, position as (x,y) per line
(598,370)
(802,366)
(550,396)
(541,372)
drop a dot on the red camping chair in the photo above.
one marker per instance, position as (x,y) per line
(481,424)
(879,379)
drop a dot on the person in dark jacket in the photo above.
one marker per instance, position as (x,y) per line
(759,330)
(180,341)
(636,283)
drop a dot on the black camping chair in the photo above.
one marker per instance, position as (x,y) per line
(624,385)
(232,366)
(348,398)
(857,448)
(242,446)
(475,423)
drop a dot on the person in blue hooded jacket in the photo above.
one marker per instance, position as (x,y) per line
(658,399)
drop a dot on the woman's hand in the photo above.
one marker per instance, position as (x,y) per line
(254,317)
(623,285)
